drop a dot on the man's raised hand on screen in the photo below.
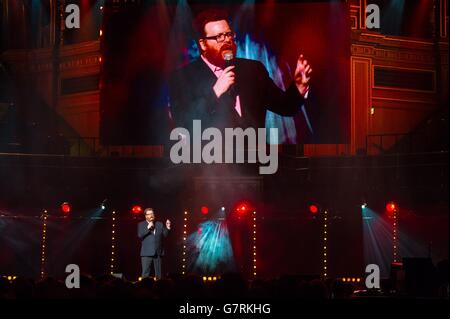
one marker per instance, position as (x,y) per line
(302,75)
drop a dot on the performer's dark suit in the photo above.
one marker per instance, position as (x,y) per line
(152,246)
(192,96)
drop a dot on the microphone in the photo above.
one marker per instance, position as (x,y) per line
(228,57)
(229,61)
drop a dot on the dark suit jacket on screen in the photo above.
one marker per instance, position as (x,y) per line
(192,96)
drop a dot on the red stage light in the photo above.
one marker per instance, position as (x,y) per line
(242,208)
(204,210)
(313,209)
(136,209)
(65,207)
(391,207)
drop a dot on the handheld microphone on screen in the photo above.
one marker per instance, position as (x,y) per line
(229,59)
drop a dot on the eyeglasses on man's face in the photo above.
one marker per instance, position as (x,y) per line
(222,36)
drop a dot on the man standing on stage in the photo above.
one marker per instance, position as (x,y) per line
(152,234)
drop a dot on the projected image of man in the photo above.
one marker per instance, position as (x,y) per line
(224,91)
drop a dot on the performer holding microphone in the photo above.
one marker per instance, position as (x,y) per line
(152,234)
(224,91)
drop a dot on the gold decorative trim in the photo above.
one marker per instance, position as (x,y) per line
(396,39)
(362,14)
(81,48)
(394,55)
(354,22)
(443,25)
(368,63)
(80,62)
